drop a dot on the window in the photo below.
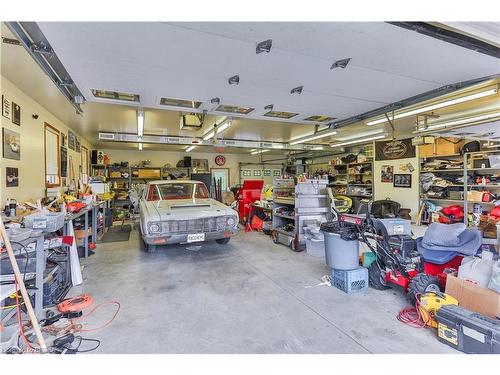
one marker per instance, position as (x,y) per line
(85,164)
(177,191)
(52,166)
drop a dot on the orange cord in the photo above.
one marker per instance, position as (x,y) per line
(18,314)
(93,310)
(77,303)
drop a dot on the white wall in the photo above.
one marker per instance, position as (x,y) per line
(32,164)
(407,197)
(160,158)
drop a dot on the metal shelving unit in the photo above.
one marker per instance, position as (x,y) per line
(284,199)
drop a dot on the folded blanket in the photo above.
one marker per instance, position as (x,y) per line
(443,234)
(470,242)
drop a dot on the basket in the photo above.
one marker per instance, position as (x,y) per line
(351,281)
(45,221)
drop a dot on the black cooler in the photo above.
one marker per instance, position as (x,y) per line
(468,331)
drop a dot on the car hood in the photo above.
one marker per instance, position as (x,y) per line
(178,209)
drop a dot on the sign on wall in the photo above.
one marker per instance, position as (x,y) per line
(396,149)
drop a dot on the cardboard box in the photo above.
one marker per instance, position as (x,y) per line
(474,297)
(442,146)
(149,173)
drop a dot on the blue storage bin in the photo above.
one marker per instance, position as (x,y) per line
(350,281)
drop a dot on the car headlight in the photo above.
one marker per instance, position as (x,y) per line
(231,221)
(154,227)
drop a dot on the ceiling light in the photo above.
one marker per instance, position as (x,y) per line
(359,135)
(319,118)
(264,46)
(180,103)
(297,90)
(220,128)
(115,95)
(234,109)
(140,146)
(432,107)
(358,141)
(280,114)
(313,137)
(234,80)
(140,123)
(191,148)
(460,122)
(258,152)
(340,63)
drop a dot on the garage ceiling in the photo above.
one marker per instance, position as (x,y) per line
(195,60)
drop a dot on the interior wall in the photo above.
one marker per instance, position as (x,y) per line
(31,167)
(407,197)
(160,158)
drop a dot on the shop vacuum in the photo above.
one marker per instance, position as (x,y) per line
(468,331)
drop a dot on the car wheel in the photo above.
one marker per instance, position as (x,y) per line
(223,241)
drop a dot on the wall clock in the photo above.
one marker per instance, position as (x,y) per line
(220,160)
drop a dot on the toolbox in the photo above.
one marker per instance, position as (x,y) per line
(468,331)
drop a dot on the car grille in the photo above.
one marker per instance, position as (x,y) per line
(205,225)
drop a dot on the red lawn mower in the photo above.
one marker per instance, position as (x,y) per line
(398,263)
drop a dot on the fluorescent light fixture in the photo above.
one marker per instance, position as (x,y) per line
(319,118)
(115,95)
(234,109)
(358,141)
(258,152)
(220,128)
(280,114)
(359,135)
(191,148)
(140,123)
(180,103)
(313,137)
(140,146)
(460,122)
(432,107)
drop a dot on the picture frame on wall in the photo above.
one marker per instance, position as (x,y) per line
(77,145)
(6,108)
(402,180)
(64,161)
(11,177)
(63,140)
(11,144)
(387,174)
(16,114)
(71,140)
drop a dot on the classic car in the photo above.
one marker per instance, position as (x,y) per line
(175,211)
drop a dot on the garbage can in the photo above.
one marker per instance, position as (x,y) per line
(341,245)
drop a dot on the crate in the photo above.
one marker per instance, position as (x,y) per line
(45,221)
(351,281)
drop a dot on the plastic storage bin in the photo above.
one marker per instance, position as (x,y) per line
(351,281)
(45,221)
(315,246)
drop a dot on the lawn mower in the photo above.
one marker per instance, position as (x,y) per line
(398,263)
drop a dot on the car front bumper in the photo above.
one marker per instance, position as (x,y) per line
(164,239)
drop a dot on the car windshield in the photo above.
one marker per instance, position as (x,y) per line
(177,190)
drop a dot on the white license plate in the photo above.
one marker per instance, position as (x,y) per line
(196,237)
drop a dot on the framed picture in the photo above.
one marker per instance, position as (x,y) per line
(387,173)
(12,177)
(200,165)
(257,172)
(267,172)
(77,145)
(64,161)
(16,113)
(63,140)
(5,107)
(402,180)
(11,144)
(71,140)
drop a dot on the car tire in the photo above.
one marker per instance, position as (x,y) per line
(223,241)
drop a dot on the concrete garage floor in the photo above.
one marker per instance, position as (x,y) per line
(249,296)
